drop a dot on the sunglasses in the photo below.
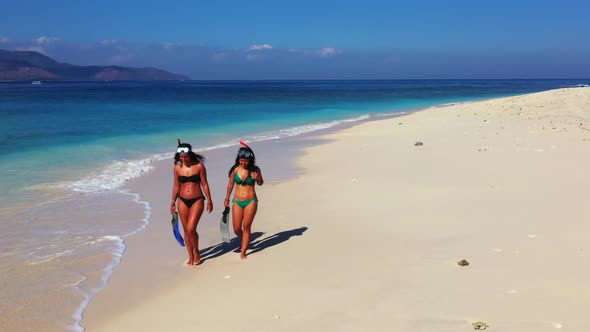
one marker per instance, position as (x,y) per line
(183,150)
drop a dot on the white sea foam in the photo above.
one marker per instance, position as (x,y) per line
(283,133)
(299,130)
(117,254)
(47,258)
(294,131)
(108,270)
(114,176)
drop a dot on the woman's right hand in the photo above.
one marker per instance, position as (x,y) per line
(172,208)
(226,202)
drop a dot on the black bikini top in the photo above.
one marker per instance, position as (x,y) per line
(192,178)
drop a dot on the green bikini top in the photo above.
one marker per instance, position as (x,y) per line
(249,181)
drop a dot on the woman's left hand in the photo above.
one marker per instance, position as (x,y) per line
(209,207)
(254,175)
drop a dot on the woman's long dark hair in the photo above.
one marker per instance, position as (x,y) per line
(244,153)
(195,158)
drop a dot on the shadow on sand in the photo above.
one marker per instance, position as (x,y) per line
(255,246)
(223,248)
(273,240)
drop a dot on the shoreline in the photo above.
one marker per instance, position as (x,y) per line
(99,316)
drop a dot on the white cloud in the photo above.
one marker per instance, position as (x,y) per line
(260,47)
(325,52)
(328,51)
(46,40)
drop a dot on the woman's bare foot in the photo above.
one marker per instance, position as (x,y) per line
(198,262)
(243,255)
(189,263)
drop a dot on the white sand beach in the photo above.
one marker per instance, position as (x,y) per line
(368,235)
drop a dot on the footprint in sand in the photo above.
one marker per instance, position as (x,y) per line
(227,277)
(532,236)
(496,249)
(557,325)
(512,291)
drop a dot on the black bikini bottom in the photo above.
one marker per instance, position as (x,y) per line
(190,201)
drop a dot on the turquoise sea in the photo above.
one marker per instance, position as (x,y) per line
(67,149)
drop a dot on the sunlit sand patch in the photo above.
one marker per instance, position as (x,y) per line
(512,291)
(557,325)
(532,236)
(497,249)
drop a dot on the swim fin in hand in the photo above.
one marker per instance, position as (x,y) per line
(175,230)
(224,225)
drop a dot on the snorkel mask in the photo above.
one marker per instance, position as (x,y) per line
(246,153)
(182,149)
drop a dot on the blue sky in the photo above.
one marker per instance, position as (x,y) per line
(321,39)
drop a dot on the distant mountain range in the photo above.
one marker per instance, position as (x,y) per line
(29,66)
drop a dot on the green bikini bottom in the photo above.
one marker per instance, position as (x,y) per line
(243,204)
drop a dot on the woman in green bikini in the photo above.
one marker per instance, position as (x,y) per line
(244,175)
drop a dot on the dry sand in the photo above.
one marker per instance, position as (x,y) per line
(368,236)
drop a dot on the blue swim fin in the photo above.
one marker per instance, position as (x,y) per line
(224,225)
(175,230)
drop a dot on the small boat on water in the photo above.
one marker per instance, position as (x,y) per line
(36,82)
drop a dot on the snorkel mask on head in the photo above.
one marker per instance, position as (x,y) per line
(246,153)
(182,149)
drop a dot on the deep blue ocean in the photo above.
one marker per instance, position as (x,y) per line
(69,145)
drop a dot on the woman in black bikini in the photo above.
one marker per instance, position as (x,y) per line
(189,176)
(244,175)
